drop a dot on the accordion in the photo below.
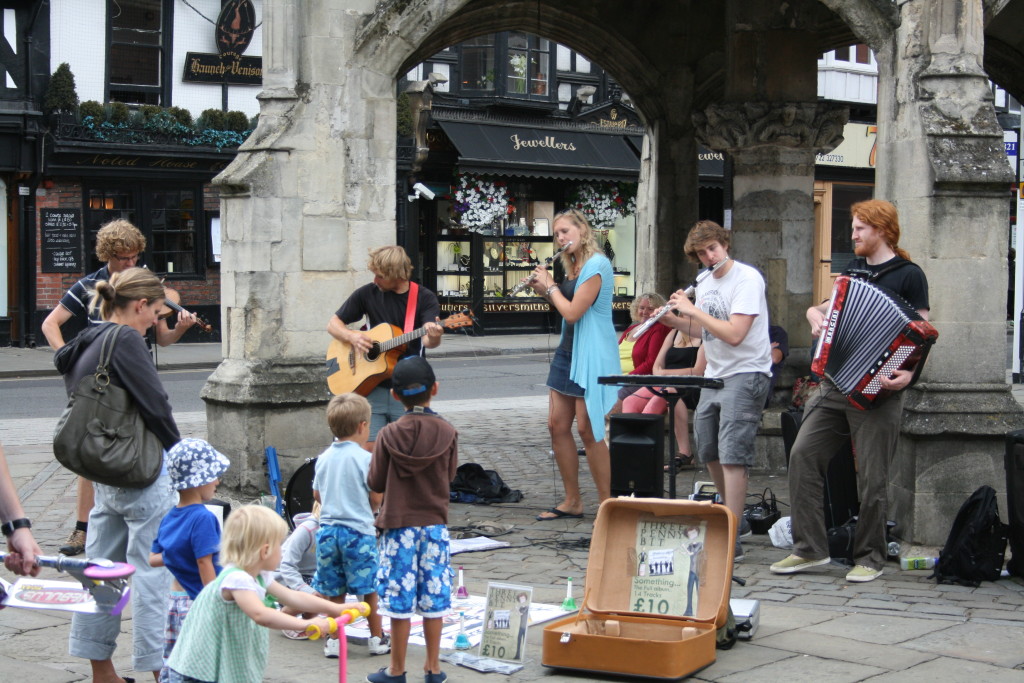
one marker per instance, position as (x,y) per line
(869,333)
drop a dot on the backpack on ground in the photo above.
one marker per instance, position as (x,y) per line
(474,484)
(976,547)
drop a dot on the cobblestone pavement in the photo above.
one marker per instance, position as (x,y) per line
(814,626)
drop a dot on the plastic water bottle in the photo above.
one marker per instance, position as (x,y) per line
(917,562)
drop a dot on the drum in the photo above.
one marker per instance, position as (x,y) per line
(298,497)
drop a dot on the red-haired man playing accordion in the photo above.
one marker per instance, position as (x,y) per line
(829,418)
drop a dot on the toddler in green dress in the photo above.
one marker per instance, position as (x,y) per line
(225,637)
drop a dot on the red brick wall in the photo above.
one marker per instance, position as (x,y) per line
(50,287)
(67,193)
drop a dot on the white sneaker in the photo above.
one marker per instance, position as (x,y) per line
(379,646)
(294,635)
(331,648)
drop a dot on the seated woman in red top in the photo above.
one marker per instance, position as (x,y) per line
(680,354)
(638,355)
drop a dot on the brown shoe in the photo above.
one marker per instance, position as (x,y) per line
(75,545)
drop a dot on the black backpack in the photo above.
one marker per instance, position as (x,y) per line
(474,484)
(976,547)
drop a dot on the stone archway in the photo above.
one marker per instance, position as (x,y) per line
(314,187)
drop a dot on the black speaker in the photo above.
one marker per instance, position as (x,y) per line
(637,455)
(1015,500)
(841,498)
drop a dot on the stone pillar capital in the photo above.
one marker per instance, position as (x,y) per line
(740,126)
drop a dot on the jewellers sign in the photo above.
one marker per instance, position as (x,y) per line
(236,25)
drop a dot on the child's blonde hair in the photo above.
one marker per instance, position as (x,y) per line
(316,509)
(345,412)
(246,531)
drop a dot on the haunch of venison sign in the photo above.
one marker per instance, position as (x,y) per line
(236,25)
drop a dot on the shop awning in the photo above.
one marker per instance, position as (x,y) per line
(542,152)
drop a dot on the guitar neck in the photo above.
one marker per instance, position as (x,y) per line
(395,342)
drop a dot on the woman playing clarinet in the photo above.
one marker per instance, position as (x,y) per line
(584,300)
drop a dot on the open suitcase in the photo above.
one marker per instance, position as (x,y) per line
(657,589)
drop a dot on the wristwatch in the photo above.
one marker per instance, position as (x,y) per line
(8,528)
(550,289)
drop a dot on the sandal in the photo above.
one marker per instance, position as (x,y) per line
(680,462)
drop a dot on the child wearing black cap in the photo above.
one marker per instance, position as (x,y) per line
(414,462)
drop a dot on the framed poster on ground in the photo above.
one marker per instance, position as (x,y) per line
(506,619)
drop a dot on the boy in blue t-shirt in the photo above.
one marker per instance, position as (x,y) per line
(346,544)
(189,535)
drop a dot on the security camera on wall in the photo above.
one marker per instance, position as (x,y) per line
(422,191)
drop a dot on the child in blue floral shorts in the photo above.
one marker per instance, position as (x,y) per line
(414,462)
(346,542)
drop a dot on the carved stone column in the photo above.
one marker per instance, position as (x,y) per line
(941,161)
(773,146)
(305,198)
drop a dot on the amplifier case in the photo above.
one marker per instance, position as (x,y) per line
(637,454)
(606,635)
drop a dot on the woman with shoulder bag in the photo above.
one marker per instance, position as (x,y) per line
(124,521)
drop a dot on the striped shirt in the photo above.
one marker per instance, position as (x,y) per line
(77,299)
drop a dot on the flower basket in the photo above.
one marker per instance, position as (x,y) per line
(605,203)
(480,202)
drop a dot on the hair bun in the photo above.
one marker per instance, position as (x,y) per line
(106,290)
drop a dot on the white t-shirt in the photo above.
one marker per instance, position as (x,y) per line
(740,290)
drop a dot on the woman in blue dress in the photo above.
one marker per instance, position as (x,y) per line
(587,350)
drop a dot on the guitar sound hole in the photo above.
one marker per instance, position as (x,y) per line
(373,354)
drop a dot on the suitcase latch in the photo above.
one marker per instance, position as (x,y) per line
(566,637)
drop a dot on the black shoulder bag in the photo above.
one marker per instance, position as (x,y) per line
(101,435)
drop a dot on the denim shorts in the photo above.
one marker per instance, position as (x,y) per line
(726,419)
(384,408)
(558,375)
(346,561)
(415,572)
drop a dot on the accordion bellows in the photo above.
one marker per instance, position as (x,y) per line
(868,334)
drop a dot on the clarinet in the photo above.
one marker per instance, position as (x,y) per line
(547,263)
(664,310)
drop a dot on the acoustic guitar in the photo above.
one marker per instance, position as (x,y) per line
(350,370)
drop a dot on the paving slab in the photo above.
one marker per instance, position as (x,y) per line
(879,629)
(805,669)
(951,670)
(892,658)
(979,642)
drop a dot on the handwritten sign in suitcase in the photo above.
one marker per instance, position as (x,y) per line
(657,590)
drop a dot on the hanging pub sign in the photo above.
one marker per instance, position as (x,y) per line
(236,25)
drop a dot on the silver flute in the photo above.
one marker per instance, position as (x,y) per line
(547,262)
(664,310)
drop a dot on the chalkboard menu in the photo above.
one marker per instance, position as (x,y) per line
(62,240)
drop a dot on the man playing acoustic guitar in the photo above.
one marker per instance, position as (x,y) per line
(386,300)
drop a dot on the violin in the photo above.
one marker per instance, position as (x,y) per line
(172,305)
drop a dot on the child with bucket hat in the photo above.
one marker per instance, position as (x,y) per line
(189,536)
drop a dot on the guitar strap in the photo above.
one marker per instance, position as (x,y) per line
(410,307)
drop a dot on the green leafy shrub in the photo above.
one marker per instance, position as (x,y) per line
(236,121)
(181,115)
(403,123)
(213,119)
(148,111)
(119,113)
(92,108)
(60,93)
